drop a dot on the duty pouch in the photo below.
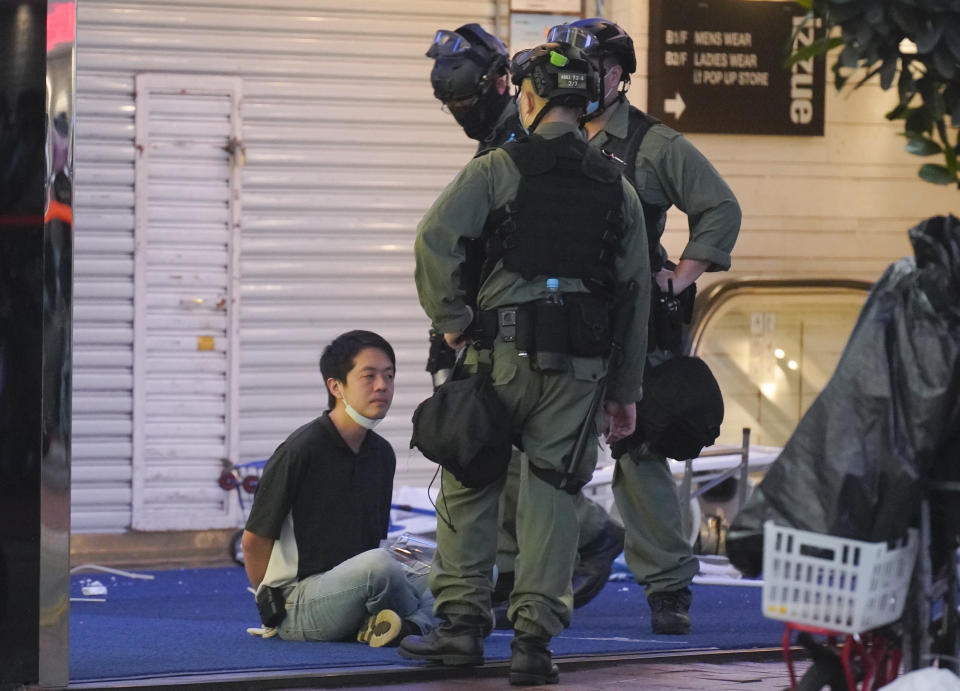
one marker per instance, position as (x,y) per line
(551,337)
(589,325)
(668,314)
(272,606)
(525,331)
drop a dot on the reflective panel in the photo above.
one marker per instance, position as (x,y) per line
(57,332)
(36,259)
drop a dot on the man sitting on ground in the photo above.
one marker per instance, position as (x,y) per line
(311,544)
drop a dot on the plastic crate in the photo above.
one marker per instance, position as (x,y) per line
(849,586)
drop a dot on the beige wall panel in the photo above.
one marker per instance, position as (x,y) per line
(837,205)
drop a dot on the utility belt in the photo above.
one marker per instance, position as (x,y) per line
(549,331)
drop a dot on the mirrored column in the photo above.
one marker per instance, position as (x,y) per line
(36,125)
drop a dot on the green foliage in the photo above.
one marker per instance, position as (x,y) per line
(939,175)
(871,33)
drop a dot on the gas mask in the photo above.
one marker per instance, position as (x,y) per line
(479,114)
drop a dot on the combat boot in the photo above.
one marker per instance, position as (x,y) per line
(596,561)
(530,661)
(457,641)
(669,611)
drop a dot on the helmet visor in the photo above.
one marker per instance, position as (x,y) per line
(572,35)
(447,44)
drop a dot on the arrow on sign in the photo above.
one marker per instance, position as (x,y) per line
(674,106)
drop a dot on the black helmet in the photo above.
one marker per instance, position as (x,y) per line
(609,39)
(557,70)
(467,61)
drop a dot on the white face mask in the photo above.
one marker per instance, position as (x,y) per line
(356,415)
(362,420)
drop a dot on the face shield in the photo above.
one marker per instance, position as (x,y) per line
(455,79)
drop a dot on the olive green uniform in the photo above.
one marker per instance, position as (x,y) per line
(669,171)
(547,410)
(591,517)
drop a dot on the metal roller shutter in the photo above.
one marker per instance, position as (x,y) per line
(345,150)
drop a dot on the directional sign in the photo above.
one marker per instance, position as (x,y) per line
(717,66)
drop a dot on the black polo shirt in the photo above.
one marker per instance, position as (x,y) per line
(340,499)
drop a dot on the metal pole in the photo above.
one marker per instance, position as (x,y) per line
(744,470)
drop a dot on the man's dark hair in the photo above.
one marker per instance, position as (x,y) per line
(338,357)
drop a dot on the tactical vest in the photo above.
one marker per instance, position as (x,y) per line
(565,220)
(475,251)
(626,150)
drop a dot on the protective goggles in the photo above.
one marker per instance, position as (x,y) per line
(522,61)
(448,43)
(572,35)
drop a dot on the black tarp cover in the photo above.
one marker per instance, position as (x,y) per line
(889,414)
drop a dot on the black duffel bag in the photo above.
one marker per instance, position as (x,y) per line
(465,428)
(680,412)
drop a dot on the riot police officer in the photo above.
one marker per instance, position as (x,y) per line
(470,78)
(571,197)
(666,170)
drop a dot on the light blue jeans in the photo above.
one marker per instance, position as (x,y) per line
(332,606)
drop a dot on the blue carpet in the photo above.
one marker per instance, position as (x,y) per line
(194,621)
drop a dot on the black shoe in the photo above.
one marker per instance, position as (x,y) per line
(596,561)
(502,588)
(669,612)
(530,661)
(457,641)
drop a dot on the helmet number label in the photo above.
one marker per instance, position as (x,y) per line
(571,80)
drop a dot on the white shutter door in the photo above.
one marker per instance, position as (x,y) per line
(346,148)
(185,338)
(344,156)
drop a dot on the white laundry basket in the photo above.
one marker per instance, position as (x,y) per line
(849,586)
